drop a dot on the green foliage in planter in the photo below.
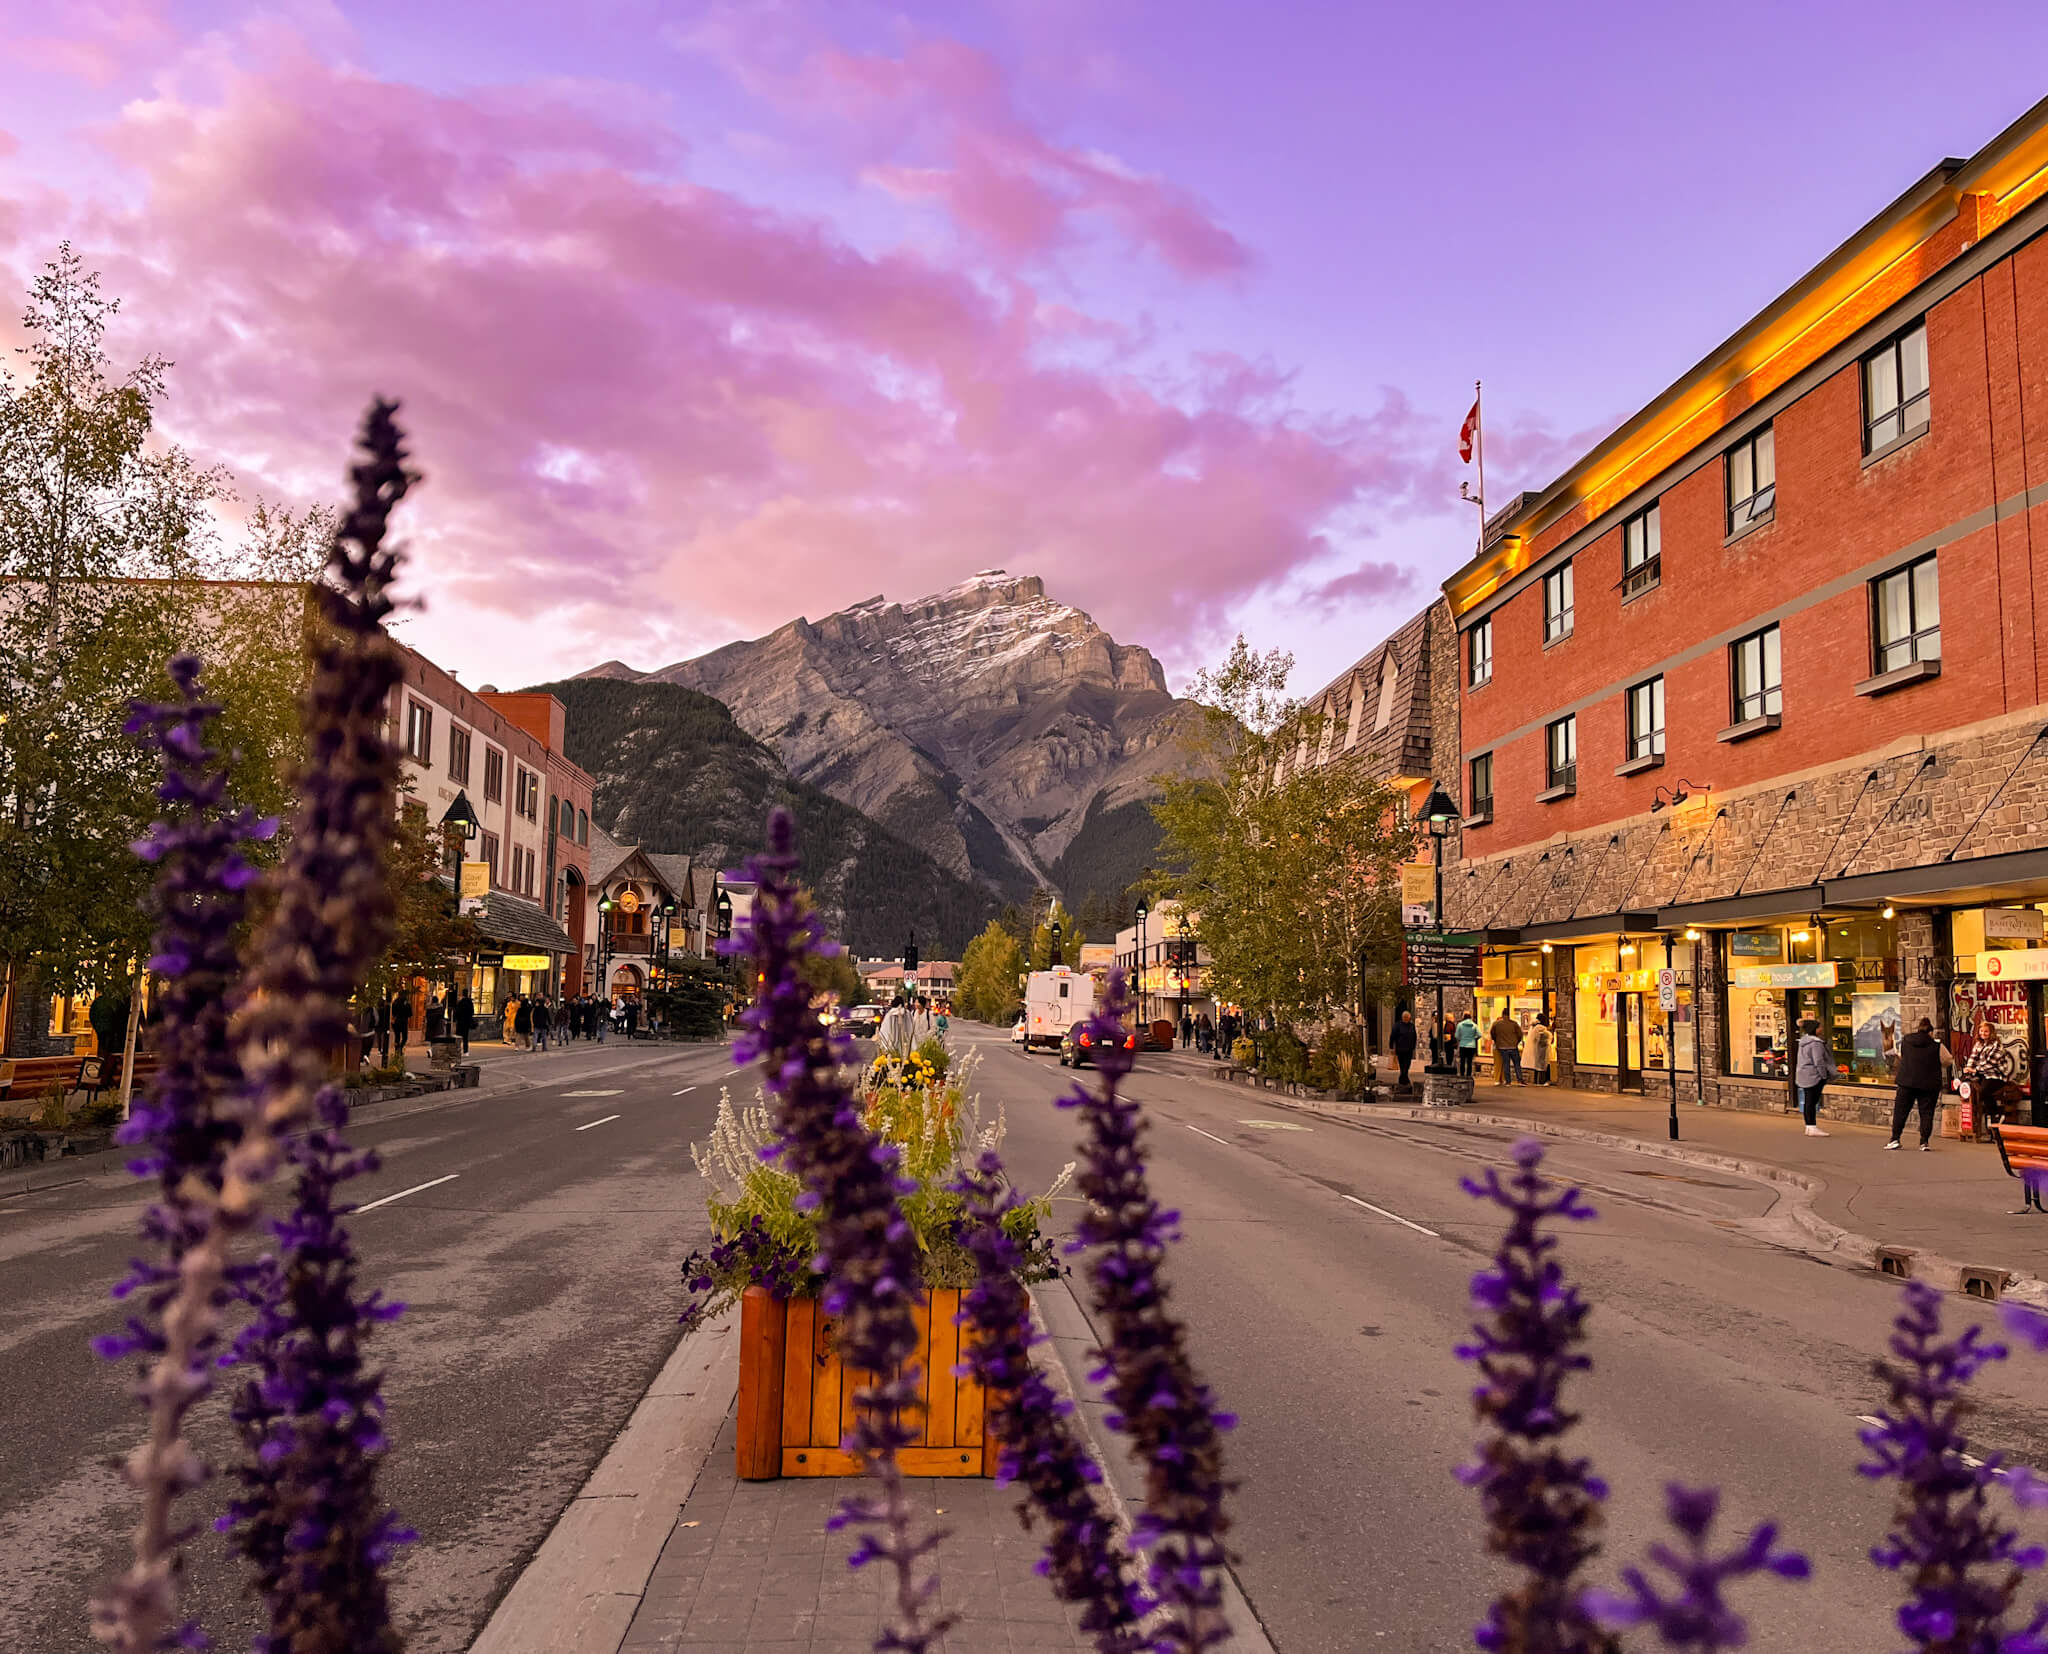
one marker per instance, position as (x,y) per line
(938,1125)
(1338,1061)
(1242,1051)
(1282,1056)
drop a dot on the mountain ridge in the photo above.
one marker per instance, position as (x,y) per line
(987,724)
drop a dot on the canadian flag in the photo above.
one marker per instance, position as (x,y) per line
(1468,433)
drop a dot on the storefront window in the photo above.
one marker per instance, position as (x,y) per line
(1843,973)
(1597,1010)
(1510,983)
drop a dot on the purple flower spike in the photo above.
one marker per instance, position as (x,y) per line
(309,1517)
(1542,1505)
(1695,1617)
(179,1287)
(866,1252)
(1964,1564)
(1168,1413)
(1041,1451)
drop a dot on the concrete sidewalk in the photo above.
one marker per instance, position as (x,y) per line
(1953,1203)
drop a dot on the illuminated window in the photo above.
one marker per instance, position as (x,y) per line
(1480,654)
(1895,390)
(1479,797)
(1557,604)
(1905,608)
(1646,720)
(1754,676)
(1642,552)
(1752,480)
(1561,753)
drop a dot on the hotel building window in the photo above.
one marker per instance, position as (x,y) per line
(1905,616)
(1642,552)
(1479,653)
(419,732)
(1752,480)
(1561,755)
(1646,720)
(1895,390)
(1755,676)
(1557,604)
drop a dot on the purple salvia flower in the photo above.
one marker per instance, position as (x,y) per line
(1168,1413)
(866,1252)
(309,1517)
(177,1291)
(1964,1562)
(1695,1617)
(1542,1505)
(1040,1449)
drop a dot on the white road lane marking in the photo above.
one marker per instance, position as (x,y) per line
(684,1092)
(1275,1125)
(607,1120)
(402,1193)
(615,1091)
(1396,1216)
(1226,1142)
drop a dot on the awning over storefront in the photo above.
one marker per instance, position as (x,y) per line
(1587,928)
(1974,882)
(1736,910)
(521,927)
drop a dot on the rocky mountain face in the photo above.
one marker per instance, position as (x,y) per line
(988,725)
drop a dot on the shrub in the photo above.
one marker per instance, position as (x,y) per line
(1283,1056)
(1338,1061)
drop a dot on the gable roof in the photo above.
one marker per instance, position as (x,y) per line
(1402,746)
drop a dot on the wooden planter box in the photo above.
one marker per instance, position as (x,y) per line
(796,1398)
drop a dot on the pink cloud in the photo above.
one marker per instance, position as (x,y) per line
(652,413)
(99,40)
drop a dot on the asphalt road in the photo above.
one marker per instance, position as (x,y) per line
(1323,1273)
(1722,1356)
(542,1283)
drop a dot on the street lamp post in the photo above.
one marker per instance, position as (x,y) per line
(1671,1038)
(722,908)
(604,952)
(1440,814)
(1143,909)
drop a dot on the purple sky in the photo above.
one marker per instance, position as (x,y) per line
(706,316)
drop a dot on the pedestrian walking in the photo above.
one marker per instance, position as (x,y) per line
(1205,1035)
(437,1020)
(543,1023)
(1506,1034)
(522,1022)
(632,1010)
(1187,1030)
(1919,1083)
(1540,1041)
(401,1021)
(465,1019)
(1810,1070)
(1465,1034)
(1403,1042)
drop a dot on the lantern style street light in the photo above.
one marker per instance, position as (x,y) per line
(1143,909)
(1440,814)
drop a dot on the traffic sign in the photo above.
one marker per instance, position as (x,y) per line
(1667,988)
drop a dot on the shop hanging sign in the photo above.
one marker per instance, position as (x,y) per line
(527,961)
(1756,944)
(1822,975)
(2013,965)
(1440,965)
(1418,893)
(2013,924)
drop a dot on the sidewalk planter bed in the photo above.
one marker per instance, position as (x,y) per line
(796,1397)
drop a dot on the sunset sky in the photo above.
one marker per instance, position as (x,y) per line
(707,316)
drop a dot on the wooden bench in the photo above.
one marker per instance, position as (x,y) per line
(2024,1149)
(37,1076)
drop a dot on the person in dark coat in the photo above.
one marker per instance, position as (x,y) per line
(383,1029)
(437,1019)
(543,1024)
(522,1022)
(465,1018)
(632,1009)
(1919,1082)
(1403,1042)
(401,1020)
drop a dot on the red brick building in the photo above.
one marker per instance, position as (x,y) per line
(1760,678)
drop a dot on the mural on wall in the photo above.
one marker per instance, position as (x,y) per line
(2005,1003)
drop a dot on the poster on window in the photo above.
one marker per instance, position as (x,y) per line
(2005,1004)
(1874,1035)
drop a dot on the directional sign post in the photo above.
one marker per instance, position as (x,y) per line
(1433,964)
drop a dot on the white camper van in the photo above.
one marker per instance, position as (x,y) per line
(1053,1000)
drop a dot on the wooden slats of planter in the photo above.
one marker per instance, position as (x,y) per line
(796,1398)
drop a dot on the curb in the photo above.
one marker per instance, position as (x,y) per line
(1824,1238)
(581,1590)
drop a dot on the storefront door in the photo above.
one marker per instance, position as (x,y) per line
(1629,1041)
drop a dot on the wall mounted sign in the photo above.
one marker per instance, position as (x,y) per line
(2013,965)
(2013,924)
(527,961)
(1823,975)
(1756,944)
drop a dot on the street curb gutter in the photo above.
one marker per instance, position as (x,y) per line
(581,1590)
(1822,1237)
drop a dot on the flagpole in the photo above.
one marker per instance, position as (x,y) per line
(1479,448)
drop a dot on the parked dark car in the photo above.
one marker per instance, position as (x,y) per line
(1077,1045)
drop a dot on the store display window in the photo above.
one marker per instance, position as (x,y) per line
(1842,971)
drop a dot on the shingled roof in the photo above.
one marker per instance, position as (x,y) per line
(1386,724)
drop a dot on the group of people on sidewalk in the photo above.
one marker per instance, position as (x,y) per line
(385,1025)
(532,1021)
(1198,1031)
(1926,1069)
(1458,1038)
